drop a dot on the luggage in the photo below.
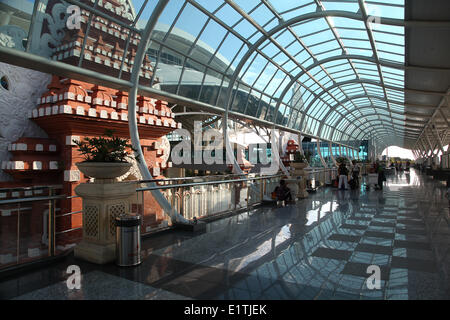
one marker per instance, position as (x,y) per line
(352,184)
(335,183)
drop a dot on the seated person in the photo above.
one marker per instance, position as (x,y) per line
(283,193)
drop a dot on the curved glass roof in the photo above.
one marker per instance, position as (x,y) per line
(325,68)
(330,69)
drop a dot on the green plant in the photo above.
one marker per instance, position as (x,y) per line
(308,156)
(109,148)
(341,160)
(299,157)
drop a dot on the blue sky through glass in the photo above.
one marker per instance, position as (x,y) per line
(290,51)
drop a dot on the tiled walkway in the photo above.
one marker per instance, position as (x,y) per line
(320,248)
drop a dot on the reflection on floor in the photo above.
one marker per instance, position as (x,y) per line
(319,248)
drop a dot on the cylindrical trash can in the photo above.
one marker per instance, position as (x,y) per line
(128,240)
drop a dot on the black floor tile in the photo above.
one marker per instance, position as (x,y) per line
(418,232)
(382,224)
(413,264)
(360,269)
(410,222)
(353,226)
(359,219)
(332,254)
(344,237)
(379,234)
(412,245)
(194,288)
(373,248)
(386,216)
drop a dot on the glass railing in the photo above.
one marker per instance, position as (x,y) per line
(33,226)
(319,177)
(201,197)
(28,218)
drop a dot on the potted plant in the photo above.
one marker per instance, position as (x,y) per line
(299,161)
(308,156)
(340,160)
(105,157)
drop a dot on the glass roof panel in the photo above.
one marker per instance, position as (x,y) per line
(197,45)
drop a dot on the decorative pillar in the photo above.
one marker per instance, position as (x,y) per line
(298,181)
(102,203)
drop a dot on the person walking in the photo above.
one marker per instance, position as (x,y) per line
(381,176)
(343,176)
(355,175)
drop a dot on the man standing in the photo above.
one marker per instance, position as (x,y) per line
(343,176)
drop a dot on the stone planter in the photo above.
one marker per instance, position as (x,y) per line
(103,201)
(104,170)
(298,182)
(299,165)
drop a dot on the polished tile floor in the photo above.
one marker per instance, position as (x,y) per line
(318,248)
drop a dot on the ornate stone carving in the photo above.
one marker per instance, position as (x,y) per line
(42,43)
(12,37)
(132,174)
(165,147)
(91,222)
(25,87)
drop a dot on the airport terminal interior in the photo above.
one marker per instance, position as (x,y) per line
(224,150)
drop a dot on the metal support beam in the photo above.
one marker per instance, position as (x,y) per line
(438,138)
(319,151)
(330,145)
(132,120)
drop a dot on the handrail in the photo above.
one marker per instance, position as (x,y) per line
(30,199)
(213,176)
(312,170)
(206,183)
(52,187)
(51,232)
(188,178)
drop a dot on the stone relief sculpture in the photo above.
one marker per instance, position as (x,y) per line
(42,43)
(134,172)
(25,87)
(126,9)
(50,27)
(165,147)
(12,37)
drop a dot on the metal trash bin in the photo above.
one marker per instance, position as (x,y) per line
(128,240)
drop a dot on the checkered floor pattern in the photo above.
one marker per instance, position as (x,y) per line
(392,238)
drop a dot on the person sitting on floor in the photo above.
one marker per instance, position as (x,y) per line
(283,193)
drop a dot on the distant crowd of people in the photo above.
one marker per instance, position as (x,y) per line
(399,166)
(344,181)
(348,178)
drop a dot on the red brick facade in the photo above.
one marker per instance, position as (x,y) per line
(72,109)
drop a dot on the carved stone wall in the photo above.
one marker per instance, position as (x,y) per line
(24,89)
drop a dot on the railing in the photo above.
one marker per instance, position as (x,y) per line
(27,224)
(28,216)
(201,199)
(318,177)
